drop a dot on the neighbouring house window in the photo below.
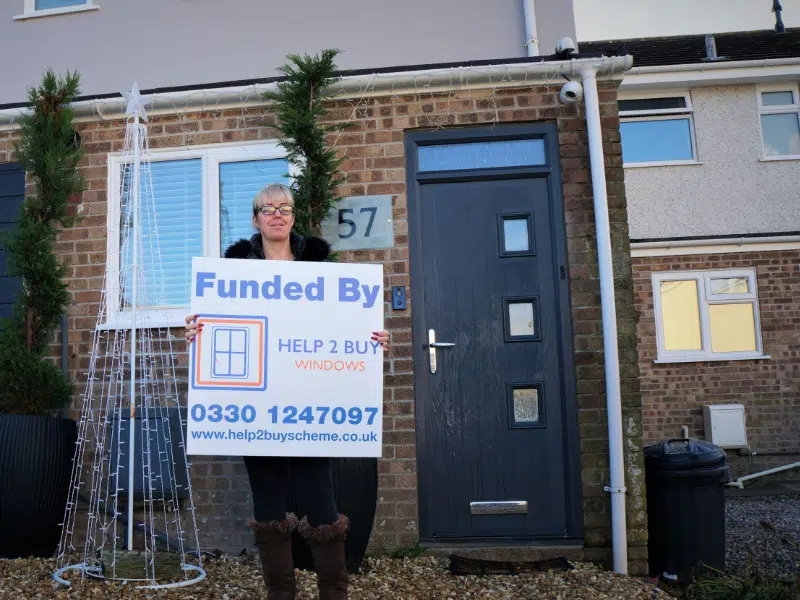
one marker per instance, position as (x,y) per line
(201,202)
(706,315)
(44,8)
(779,110)
(657,130)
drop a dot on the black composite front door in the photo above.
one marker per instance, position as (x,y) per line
(496,422)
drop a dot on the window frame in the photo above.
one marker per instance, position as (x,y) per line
(706,298)
(661,114)
(777,110)
(30,11)
(211,156)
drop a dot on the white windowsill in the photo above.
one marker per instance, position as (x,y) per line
(666,163)
(147,319)
(780,158)
(51,12)
(705,359)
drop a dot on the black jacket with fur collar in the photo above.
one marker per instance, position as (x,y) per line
(309,249)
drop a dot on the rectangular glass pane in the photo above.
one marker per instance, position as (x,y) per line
(520,318)
(657,140)
(680,315)
(652,104)
(45,4)
(171,226)
(515,235)
(781,134)
(777,98)
(733,327)
(481,155)
(239,182)
(526,405)
(730,285)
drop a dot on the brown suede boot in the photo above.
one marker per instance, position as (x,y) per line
(274,541)
(327,546)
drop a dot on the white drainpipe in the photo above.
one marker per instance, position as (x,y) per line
(531,37)
(609,315)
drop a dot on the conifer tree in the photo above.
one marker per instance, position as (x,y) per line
(48,152)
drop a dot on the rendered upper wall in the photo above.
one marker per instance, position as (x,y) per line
(166,43)
(733,191)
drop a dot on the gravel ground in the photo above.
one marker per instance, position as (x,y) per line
(764,531)
(382,579)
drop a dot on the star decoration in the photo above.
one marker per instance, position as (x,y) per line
(135,102)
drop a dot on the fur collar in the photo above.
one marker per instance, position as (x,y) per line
(311,249)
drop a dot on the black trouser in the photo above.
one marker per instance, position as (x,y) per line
(312,480)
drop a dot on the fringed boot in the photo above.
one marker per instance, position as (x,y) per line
(274,541)
(327,547)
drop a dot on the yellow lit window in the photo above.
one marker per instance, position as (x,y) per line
(706,315)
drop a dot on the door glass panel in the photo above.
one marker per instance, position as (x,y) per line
(481,155)
(730,285)
(516,237)
(680,315)
(520,319)
(733,327)
(526,406)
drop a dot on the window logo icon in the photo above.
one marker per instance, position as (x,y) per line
(230,349)
(230,353)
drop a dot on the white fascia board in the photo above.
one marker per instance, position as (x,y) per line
(712,73)
(504,75)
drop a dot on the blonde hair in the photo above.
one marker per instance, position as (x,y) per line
(273,190)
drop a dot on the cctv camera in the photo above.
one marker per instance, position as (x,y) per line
(571,93)
(565,46)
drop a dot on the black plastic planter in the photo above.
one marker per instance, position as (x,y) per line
(35,468)
(355,487)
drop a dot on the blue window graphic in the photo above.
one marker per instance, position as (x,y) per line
(230,352)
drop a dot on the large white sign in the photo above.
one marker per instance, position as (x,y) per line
(284,364)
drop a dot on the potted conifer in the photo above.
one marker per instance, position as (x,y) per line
(36,442)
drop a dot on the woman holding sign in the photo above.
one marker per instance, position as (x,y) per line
(321,525)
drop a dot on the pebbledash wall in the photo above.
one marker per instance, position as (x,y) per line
(674,394)
(374,164)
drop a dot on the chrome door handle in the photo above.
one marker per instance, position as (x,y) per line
(433,345)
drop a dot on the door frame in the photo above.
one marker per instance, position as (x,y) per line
(560,269)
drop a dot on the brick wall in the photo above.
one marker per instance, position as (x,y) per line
(374,164)
(673,394)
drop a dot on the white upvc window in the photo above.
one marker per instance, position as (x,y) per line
(202,198)
(707,315)
(657,129)
(779,115)
(46,8)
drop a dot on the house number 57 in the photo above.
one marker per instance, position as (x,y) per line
(343,212)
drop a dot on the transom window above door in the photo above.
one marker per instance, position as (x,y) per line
(46,8)
(202,199)
(657,130)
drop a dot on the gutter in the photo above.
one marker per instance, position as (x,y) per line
(711,73)
(766,243)
(361,86)
(619,537)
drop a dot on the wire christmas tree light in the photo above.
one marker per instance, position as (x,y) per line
(130,452)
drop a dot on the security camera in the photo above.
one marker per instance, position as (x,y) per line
(571,93)
(565,46)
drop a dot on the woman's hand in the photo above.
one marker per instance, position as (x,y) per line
(382,337)
(192,328)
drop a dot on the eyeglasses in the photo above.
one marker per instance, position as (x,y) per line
(284,209)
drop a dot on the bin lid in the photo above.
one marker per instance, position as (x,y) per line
(685,454)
